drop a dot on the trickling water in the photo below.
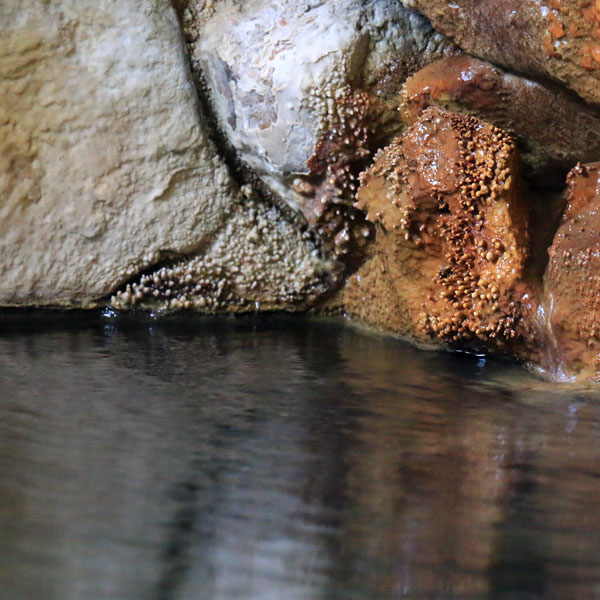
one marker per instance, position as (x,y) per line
(551,364)
(279,459)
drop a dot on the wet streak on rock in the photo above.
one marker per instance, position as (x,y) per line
(572,279)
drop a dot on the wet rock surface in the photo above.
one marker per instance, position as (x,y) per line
(453,263)
(553,129)
(263,155)
(450,259)
(559,39)
(572,279)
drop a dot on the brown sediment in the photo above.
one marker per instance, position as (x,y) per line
(553,128)
(572,279)
(342,152)
(449,264)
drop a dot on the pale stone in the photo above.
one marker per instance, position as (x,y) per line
(276,69)
(105,165)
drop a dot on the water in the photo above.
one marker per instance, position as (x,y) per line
(281,459)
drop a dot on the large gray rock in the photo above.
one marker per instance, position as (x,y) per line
(108,175)
(105,166)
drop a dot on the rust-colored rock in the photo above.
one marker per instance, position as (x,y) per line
(451,251)
(572,280)
(559,39)
(553,128)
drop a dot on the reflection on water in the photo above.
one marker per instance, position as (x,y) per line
(278,459)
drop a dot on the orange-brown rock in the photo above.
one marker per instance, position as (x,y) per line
(553,128)
(451,250)
(572,280)
(559,39)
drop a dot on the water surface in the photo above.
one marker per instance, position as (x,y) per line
(274,458)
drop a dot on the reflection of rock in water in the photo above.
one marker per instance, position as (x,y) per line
(192,444)
(218,460)
(466,486)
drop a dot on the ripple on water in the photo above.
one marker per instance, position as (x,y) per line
(278,458)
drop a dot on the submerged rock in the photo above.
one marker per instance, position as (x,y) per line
(559,39)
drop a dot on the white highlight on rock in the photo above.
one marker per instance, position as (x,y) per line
(276,67)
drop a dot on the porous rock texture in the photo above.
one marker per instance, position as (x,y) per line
(450,259)
(288,80)
(236,155)
(572,281)
(559,39)
(552,127)
(106,167)
(257,261)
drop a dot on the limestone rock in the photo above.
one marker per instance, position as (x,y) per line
(285,80)
(257,261)
(554,129)
(105,166)
(572,282)
(449,262)
(559,39)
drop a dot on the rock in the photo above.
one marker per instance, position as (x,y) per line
(553,128)
(106,166)
(449,263)
(285,82)
(257,261)
(572,282)
(559,39)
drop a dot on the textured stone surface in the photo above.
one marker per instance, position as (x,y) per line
(572,281)
(553,128)
(105,167)
(257,261)
(545,38)
(107,171)
(285,76)
(451,251)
